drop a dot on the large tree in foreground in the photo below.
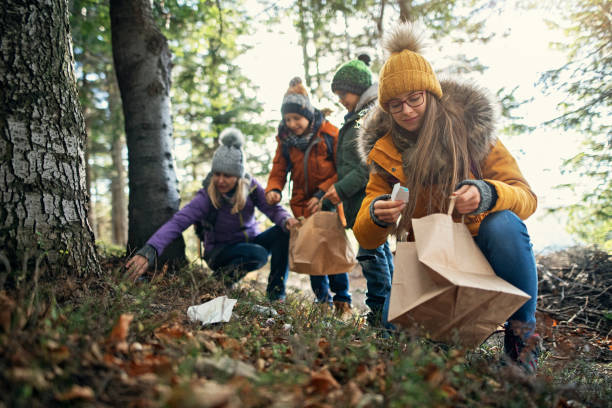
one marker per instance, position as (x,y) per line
(42,137)
(143,65)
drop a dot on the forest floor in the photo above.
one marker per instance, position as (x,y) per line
(102,341)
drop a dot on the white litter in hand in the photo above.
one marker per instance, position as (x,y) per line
(214,311)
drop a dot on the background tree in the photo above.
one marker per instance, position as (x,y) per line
(42,170)
(209,91)
(143,66)
(99,95)
(586,81)
(331,32)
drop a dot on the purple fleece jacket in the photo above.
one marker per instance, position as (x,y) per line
(228,228)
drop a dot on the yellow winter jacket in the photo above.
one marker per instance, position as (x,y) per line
(497,165)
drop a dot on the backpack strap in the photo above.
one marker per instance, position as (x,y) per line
(329,143)
(285,151)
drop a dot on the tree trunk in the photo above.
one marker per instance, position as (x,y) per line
(404,6)
(381,18)
(119,207)
(302,26)
(91,204)
(119,217)
(143,63)
(42,140)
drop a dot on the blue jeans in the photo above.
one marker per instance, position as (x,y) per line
(505,242)
(236,260)
(339,284)
(377,267)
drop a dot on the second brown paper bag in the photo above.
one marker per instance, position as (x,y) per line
(320,246)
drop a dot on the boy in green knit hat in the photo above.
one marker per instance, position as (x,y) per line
(353,85)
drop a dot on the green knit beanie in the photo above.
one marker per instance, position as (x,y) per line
(353,76)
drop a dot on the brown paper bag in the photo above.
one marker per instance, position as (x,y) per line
(443,283)
(319,246)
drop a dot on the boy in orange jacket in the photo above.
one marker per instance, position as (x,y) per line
(306,148)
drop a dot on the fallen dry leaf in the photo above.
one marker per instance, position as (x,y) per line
(449,390)
(323,381)
(204,395)
(59,354)
(32,376)
(323,345)
(76,392)
(121,329)
(171,332)
(433,375)
(355,393)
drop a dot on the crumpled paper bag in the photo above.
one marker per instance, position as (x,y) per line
(213,311)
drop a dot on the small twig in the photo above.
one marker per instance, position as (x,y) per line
(586,302)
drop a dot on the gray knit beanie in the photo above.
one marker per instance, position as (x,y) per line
(229,158)
(296,100)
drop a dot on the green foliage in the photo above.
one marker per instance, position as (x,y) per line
(586,82)
(508,105)
(209,92)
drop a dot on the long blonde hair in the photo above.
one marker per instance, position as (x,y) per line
(239,198)
(439,160)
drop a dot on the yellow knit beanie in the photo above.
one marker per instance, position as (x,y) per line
(405,70)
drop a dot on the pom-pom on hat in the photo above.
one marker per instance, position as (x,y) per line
(353,76)
(229,157)
(296,100)
(405,70)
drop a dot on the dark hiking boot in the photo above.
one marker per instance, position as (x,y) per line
(524,353)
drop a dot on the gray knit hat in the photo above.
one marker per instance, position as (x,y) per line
(353,76)
(229,158)
(296,100)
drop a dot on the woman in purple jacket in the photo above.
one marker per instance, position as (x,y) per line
(226,207)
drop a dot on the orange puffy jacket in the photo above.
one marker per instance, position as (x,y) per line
(321,169)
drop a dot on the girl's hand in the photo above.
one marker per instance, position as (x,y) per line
(388,211)
(291,222)
(273,197)
(468,199)
(313,205)
(332,195)
(136,266)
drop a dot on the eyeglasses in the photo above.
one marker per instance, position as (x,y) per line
(414,100)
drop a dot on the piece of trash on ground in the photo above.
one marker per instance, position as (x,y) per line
(213,311)
(264,310)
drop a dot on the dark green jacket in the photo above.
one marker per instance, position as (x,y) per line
(352,172)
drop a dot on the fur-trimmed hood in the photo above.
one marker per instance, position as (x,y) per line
(476,106)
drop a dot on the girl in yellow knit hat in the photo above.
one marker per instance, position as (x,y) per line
(438,139)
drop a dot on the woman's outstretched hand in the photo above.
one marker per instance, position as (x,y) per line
(467,199)
(273,197)
(136,266)
(388,211)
